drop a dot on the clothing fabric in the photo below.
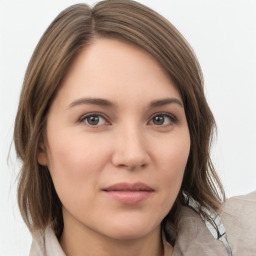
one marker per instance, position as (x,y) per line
(238,215)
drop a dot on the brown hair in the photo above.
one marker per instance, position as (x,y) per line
(72,30)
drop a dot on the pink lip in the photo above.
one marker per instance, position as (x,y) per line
(128,193)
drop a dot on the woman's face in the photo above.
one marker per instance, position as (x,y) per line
(116,142)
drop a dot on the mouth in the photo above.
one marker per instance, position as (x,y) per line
(129,193)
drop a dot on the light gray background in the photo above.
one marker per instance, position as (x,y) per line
(223,35)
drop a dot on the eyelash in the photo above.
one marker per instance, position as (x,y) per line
(83,119)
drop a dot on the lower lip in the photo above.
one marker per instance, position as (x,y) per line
(129,197)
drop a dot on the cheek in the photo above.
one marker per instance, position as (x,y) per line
(75,166)
(75,154)
(173,158)
(173,153)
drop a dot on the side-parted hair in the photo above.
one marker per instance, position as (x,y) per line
(71,31)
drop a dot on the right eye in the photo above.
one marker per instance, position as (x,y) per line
(93,120)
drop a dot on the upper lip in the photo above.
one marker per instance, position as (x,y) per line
(124,186)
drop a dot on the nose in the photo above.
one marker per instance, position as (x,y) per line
(131,150)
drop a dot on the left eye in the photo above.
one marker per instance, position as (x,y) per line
(162,119)
(93,120)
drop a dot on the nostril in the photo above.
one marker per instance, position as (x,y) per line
(131,168)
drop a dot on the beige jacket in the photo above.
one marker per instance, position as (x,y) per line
(238,216)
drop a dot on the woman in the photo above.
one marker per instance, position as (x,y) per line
(114,132)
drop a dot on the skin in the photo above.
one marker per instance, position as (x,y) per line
(85,157)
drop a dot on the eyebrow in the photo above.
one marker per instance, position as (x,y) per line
(162,102)
(92,101)
(107,103)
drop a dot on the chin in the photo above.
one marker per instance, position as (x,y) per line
(129,229)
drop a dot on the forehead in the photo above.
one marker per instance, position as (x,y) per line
(110,68)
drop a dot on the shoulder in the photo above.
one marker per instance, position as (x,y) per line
(45,243)
(194,238)
(238,215)
(239,218)
(238,202)
(38,244)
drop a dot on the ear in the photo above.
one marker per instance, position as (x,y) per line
(42,154)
